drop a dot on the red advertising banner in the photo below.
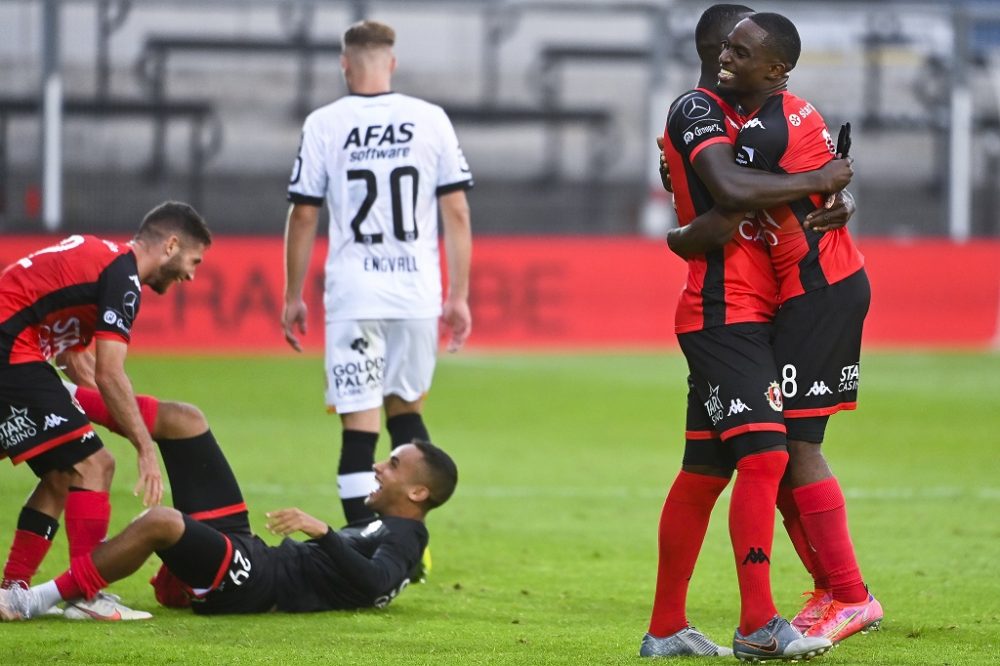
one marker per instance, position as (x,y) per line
(561,293)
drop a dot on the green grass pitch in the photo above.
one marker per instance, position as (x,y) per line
(547,552)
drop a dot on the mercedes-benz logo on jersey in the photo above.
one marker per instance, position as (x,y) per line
(696,108)
(128,304)
(359,345)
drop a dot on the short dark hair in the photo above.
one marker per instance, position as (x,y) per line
(442,473)
(368,34)
(782,37)
(174,217)
(715,23)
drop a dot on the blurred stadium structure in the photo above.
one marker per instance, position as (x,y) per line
(556,103)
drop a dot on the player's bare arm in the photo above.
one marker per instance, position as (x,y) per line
(707,232)
(457,224)
(79,365)
(300,231)
(289,521)
(116,390)
(737,188)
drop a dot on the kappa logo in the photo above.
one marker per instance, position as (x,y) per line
(756,556)
(819,388)
(359,345)
(737,406)
(53,421)
(754,122)
(695,107)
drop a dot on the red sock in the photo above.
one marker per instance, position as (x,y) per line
(88,513)
(797,535)
(683,523)
(97,411)
(82,579)
(751,528)
(824,519)
(26,555)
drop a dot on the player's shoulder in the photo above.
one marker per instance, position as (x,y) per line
(798,111)
(696,104)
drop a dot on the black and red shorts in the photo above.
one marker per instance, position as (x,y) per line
(734,394)
(40,422)
(817,345)
(222,573)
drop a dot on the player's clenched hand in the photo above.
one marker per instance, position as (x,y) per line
(294,316)
(668,184)
(457,318)
(287,521)
(837,174)
(150,481)
(834,214)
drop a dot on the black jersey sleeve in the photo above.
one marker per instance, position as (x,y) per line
(694,121)
(397,548)
(118,297)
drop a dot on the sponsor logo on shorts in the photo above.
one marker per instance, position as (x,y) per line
(737,406)
(849,377)
(819,388)
(53,421)
(16,428)
(354,378)
(773,395)
(713,405)
(359,345)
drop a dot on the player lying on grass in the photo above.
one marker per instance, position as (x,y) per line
(215,564)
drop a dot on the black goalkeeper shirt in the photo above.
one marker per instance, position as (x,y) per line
(352,568)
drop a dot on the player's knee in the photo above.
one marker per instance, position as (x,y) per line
(179,420)
(96,470)
(162,526)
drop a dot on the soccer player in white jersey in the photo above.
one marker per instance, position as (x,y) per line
(385,163)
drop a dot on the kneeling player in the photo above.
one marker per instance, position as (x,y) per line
(213,561)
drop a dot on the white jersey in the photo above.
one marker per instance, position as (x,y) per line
(380,161)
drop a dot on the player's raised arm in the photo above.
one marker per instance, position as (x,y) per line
(300,231)
(458,248)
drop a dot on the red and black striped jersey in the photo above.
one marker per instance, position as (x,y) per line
(788,135)
(735,283)
(63,296)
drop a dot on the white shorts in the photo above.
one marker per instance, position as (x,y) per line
(369,359)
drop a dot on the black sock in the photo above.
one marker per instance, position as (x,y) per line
(202,482)
(38,523)
(404,428)
(355,478)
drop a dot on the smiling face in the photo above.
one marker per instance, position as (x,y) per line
(179,260)
(746,65)
(401,483)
